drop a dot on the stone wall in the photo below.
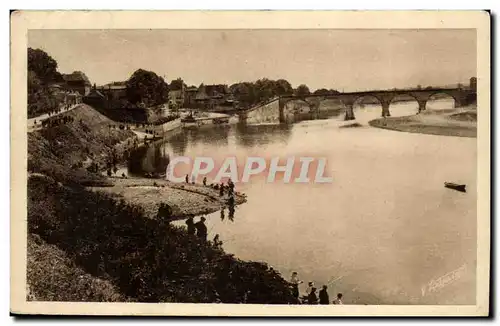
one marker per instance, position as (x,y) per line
(268,113)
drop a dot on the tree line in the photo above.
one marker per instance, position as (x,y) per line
(151,89)
(262,90)
(42,70)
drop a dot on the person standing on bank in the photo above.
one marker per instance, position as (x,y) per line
(201,229)
(190,225)
(310,286)
(312,298)
(294,281)
(323,296)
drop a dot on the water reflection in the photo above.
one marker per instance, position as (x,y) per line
(231,211)
(212,134)
(260,135)
(149,159)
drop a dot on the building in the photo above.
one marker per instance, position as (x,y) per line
(77,81)
(176,97)
(56,87)
(190,96)
(211,97)
(95,98)
(64,97)
(114,91)
(74,97)
(217,91)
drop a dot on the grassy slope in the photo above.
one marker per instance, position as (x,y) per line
(54,151)
(53,276)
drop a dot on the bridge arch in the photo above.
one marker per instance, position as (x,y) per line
(359,99)
(440,95)
(288,113)
(328,106)
(406,99)
(375,105)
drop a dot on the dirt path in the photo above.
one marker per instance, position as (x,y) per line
(40,118)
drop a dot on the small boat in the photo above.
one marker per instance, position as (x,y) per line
(455,186)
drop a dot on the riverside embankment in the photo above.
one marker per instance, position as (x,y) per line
(184,199)
(97,246)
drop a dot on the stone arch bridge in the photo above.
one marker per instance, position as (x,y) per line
(461,97)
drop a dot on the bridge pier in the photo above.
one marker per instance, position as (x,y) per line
(281,106)
(385,109)
(421,105)
(349,113)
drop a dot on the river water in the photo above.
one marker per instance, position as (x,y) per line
(385,231)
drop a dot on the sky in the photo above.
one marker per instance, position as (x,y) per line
(345,60)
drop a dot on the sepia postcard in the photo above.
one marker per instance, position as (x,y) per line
(258,163)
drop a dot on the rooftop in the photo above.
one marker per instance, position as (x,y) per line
(76,76)
(95,93)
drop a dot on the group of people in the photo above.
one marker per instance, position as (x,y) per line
(55,121)
(311,297)
(221,187)
(199,228)
(230,188)
(60,109)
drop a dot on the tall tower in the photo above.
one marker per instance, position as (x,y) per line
(473,83)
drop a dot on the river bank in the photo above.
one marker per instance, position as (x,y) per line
(94,238)
(98,248)
(460,122)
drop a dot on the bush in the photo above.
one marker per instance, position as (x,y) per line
(52,276)
(146,259)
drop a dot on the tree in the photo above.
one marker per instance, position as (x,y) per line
(264,89)
(302,90)
(43,65)
(42,70)
(283,87)
(244,92)
(146,87)
(251,93)
(176,84)
(321,91)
